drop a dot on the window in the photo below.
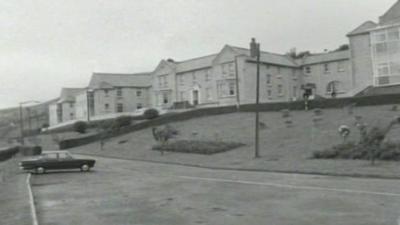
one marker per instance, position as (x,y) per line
(383,69)
(294,75)
(71,105)
(120,107)
(393,34)
(208,94)
(165,98)
(71,116)
(278,70)
(269,78)
(163,81)
(294,94)
(194,78)
(267,67)
(326,68)
(106,106)
(380,36)
(208,74)
(232,87)
(381,48)
(280,89)
(106,93)
(341,67)
(182,96)
(139,93)
(139,106)
(223,69)
(181,79)
(269,93)
(307,69)
(119,92)
(231,69)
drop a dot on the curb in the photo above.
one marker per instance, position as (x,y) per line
(371,176)
(31,201)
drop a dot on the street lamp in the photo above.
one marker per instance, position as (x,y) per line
(255,52)
(21,120)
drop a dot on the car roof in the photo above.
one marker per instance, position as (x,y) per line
(49,152)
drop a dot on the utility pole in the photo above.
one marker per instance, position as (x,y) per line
(21,123)
(255,52)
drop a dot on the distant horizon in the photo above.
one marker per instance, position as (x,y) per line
(47,45)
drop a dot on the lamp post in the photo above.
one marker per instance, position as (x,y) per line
(21,119)
(255,52)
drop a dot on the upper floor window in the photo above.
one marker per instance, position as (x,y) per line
(269,78)
(163,81)
(194,77)
(119,92)
(341,66)
(208,74)
(393,34)
(106,92)
(280,89)
(223,68)
(231,69)
(269,93)
(307,69)
(181,79)
(71,105)
(326,68)
(208,94)
(139,93)
(106,106)
(278,70)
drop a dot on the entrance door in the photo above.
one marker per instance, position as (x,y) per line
(195,97)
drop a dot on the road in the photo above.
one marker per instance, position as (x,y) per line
(128,192)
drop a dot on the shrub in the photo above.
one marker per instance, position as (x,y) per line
(150,114)
(285,113)
(394,108)
(122,121)
(80,127)
(317,112)
(197,147)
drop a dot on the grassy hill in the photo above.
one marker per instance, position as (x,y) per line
(281,148)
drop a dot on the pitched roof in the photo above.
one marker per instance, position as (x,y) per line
(195,63)
(268,57)
(363,28)
(110,80)
(68,94)
(392,15)
(326,57)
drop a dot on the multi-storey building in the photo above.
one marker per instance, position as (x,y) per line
(113,94)
(64,109)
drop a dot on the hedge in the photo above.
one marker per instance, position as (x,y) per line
(7,153)
(265,107)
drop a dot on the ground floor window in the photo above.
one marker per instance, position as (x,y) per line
(139,106)
(120,107)
(165,99)
(226,88)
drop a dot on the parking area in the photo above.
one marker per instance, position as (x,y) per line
(130,192)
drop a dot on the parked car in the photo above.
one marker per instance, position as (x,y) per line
(55,160)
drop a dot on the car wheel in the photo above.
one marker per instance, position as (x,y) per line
(40,170)
(85,168)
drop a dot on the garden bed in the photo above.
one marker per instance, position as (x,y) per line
(197,147)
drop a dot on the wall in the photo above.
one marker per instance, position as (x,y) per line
(68,111)
(81,106)
(361,62)
(319,77)
(163,70)
(53,114)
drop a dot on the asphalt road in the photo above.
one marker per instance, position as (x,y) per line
(127,192)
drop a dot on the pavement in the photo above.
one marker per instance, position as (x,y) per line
(130,192)
(14,197)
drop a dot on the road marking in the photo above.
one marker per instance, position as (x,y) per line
(288,186)
(31,201)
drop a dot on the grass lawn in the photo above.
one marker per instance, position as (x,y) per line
(281,148)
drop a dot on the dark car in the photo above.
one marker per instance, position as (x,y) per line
(56,160)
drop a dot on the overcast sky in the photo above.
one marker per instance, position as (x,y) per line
(49,44)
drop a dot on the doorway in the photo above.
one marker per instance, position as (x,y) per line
(195,97)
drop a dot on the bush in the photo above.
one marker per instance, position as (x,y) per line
(285,113)
(80,127)
(150,114)
(122,121)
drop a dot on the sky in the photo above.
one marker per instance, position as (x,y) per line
(49,44)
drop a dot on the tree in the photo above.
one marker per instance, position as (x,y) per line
(162,135)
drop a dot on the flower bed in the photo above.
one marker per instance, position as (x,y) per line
(197,147)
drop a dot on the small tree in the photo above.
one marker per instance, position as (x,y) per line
(162,135)
(80,127)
